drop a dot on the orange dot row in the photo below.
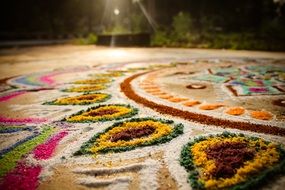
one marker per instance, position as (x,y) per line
(151,88)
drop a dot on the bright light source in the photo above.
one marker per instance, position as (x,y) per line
(116,11)
(117,53)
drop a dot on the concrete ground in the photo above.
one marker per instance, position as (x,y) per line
(18,61)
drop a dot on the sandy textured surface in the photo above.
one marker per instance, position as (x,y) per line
(33,77)
(14,62)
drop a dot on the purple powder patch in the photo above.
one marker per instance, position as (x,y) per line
(258,90)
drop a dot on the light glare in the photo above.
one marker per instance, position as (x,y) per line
(116,11)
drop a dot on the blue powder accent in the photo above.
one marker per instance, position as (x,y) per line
(265,69)
(229,72)
(14,129)
(211,78)
(25,80)
(6,150)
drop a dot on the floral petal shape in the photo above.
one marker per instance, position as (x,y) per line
(231,161)
(103,113)
(128,135)
(81,99)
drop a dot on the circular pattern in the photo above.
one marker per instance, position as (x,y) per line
(128,90)
(279,102)
(235,111)
(236,84)
(196,86)
(84,99)
(220,161)
(261,115)
(103,113)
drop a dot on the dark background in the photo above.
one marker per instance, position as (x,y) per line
(49,19)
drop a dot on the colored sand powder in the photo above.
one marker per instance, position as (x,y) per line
(45,151)
(22,177)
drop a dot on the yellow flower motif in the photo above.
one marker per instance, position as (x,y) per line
(94,81)
(106,112)
(110,74)
(265,157)
(82,99)
(86,88)
(161,129)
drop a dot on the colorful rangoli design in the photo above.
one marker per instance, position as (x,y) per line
(128,135)
(196,124)
(248,80)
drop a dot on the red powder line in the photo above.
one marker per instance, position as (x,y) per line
(126,88)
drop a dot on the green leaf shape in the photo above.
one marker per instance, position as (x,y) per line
(9,160)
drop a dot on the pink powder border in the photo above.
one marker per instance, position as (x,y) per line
(22,177)
(45,151)
(11,95)
(21,120)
